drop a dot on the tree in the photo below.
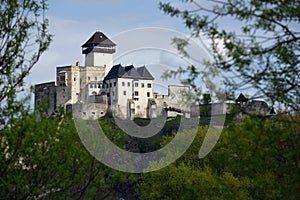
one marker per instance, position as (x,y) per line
(255,43)
(23,38)
(258,159)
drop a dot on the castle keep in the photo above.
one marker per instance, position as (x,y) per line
(92,89)
(127,91)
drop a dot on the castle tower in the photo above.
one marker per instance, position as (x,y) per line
(99,51)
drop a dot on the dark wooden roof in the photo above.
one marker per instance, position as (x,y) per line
(241,98)
(98,39)
(118,71)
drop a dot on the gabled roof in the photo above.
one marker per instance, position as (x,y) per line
(241,98)
(98,39)
(115,72)
(118,71)
(131,72)
(143,71)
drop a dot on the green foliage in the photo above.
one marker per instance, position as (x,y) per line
(135,144)
(257,160)
(256,43)
(46,159)
(23,38)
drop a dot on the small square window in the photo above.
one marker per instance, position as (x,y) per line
(123,83)
(62,78)
(136,84)
(149,85)
(124,92)
(136,93)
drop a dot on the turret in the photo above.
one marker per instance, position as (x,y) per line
(99,51)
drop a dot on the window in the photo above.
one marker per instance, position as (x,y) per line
(148,94)
(128,84)
(62,78)
(74,78)
(136,84)
(142,85)
(115,83)
(113,93)
(89,78)
(95,78)
(136,93)
(110,85)
(136,99)
(123,83)
(91,85)
(99,85)
(149,85)
(124,92)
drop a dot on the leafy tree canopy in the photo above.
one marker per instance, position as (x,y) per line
(23,38)
(258,159)
(256,43)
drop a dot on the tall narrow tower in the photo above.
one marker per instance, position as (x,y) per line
(99,51)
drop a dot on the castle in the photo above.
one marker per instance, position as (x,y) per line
(90,90)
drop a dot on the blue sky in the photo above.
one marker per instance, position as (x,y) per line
(72,22)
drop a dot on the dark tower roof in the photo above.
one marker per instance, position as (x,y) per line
(99,43)
(98,39)
(241,98)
